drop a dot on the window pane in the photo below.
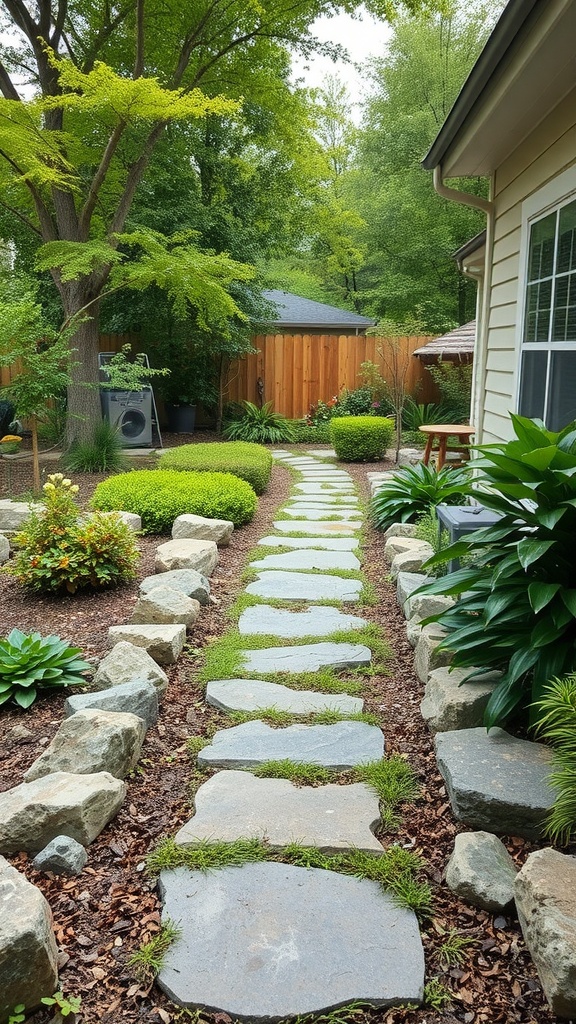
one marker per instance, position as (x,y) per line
(541,258)
(533,384)
(564,321)
(538,308)
(562,399)
(567,239)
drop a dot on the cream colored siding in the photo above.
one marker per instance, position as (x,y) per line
(549,150)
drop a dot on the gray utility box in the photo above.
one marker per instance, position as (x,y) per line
(131,413)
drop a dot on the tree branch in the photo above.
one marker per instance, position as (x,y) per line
(139,59)
(46,224)
(98,179)
(7,86)
(21,216)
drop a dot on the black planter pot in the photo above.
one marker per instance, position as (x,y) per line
(180,418)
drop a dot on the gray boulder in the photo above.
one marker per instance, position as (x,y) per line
(545,892)
(400,529)
(481,871)
(139,698)
(200,528)
(128,663)
(4,548)
(406,584)
(92,741)
(451,704)
(427,656)
(163,643)
(186,581)
(164,605)
(411,561)
(34,813)
(62,856)
(201,555)
(400,545)
(130,519)
(13,514)
(421,606)
(28,954)
(413,632)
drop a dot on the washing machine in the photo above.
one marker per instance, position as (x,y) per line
(131,413)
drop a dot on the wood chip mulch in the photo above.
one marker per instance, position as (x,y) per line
(102,916)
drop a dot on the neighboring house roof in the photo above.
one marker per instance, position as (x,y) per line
(458,342)
(295,311)
(526,68)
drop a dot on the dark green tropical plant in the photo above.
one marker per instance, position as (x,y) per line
(557,726)
(262,425)
(29,663)
(412,491)
(517,607)
(415,414)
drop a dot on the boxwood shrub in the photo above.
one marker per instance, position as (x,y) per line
(361,438)
(250,462)
(160,495)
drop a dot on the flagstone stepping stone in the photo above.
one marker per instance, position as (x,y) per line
(326,543)
(323,513)
(320,487)
(34,813)
(323,453)
(291,586)
(163,643)
(306,657)
(237,805)
(254,694)
(28,953)
(308,559)
(339,746)
(320,529)
(187,581)
(92,741)
(326,501)
(290,941)
(496,782)
(318,620)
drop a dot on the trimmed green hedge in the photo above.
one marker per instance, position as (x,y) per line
(305,433)
(361,438)
(250,462)
(160,495)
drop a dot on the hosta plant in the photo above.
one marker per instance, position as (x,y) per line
(517,607)
(413,490)
(30,663)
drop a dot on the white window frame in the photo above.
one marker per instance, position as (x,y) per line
(558,192)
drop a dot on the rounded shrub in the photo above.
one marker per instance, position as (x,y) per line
(361,438)
(250,462)
(160,495)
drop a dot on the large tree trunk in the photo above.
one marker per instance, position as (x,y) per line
(84,409)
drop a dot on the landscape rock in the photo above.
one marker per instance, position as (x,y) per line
(254,694)
(28,953)
(451,704)
(128,663)
(34,813)
(421,606)
(319,487)
(413,632)
(339,746)
(305,657)
(309,559)
(130,519)
(302,586)
(201,555)
(165,605)
(402,545)
(138,697)
(186,581)
(427,656)
(545,892)
(13,514)
(317,620)
(406,584)
(62,856)
(237,805)
(406,456)
(325,529)
(199,528)
(4,548)
(411,561)
(163,643)
(400,530)
(325,543)
(481,871)
(495,781)
(313,514)
(92,741)
(258,920)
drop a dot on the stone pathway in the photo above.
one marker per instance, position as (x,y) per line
(293,940)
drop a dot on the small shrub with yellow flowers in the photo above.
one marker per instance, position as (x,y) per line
(60,548)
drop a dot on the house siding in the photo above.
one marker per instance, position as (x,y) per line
(549,150)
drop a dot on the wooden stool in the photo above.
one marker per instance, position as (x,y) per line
(443,431)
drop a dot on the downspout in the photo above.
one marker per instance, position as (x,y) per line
(481,347)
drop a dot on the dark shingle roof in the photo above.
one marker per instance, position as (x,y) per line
(295,311)
(458,342)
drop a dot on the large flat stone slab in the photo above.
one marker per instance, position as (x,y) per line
(339,746)
(293,941)
(321,488)
(254,694)
(495,781)
(324,543)
(302,586)
(324,501)
(318,514)
(163,643)
(237,805)
(318,620)
(309,559)
(306,657)
(346,527)
(28,953)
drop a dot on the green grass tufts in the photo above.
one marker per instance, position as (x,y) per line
(299,772)
(148,961)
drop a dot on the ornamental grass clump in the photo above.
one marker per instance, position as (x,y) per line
(32,663)
(61,548)
(517,607)
(249,462)
(361,438)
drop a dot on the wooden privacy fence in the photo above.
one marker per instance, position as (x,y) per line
(297,370)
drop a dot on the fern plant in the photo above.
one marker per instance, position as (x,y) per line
(557,725)
(261,425)
(30,663)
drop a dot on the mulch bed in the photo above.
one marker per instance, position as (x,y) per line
(102,916)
